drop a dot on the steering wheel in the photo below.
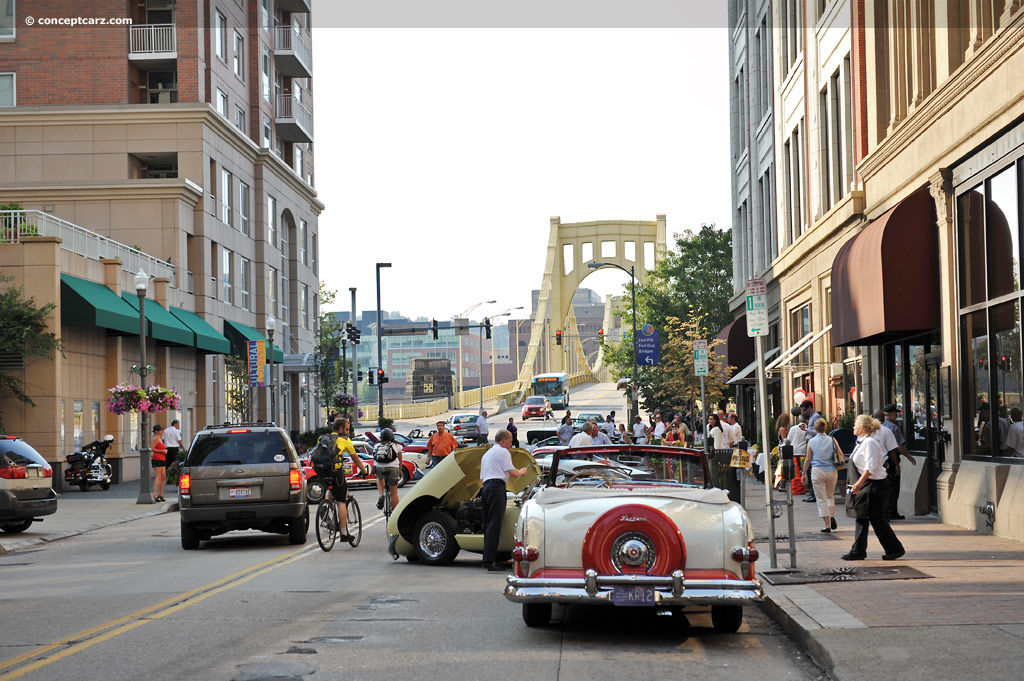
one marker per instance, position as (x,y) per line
(606,481)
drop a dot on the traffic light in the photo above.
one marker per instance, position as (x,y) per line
(359,376)
(433,328)
(381,378)
(487,327)
(558,337)
(373,374)
(600,335)
(353,333)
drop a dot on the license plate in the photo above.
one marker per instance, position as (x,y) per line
(239,492)
(633,595)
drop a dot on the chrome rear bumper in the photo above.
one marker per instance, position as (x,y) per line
(674,589)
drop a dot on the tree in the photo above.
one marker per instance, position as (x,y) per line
(326,350)
(23,333)
(237,394)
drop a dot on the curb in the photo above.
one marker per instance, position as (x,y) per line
(798,626)
(169,507)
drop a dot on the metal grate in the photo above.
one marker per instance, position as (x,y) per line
(842,574)
(12,361)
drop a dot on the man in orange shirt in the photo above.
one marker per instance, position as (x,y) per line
(441,444)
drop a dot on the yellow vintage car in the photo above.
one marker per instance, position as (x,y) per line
(443,514)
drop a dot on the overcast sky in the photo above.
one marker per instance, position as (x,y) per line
(445,152)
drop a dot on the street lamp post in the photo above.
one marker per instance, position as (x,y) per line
(271,327)
(380,365)
(506,313)
(634,405)
(465,315)
(145,484)
(355,361)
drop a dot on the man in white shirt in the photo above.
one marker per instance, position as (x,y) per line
(600,437)
(737,430)
(583,438)
(495,469)
(1015,438)
(659,429)
(172,440)
(639,431)
(481,428)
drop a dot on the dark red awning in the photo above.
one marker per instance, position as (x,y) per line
(739,347)
(885,280)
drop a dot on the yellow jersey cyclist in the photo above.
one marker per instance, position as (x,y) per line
(337,483)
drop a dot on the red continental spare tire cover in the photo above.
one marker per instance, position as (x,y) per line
(634,521)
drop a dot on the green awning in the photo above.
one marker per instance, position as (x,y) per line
(87,303)
(207,337)
(162,324)
(239,334)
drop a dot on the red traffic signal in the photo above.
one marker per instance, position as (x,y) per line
(600,334)
(558,337)
(381,378)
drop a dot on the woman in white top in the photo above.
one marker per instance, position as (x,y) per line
(717,434)
(868,462)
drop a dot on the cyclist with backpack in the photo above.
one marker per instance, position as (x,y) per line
(387,464)
(335,480)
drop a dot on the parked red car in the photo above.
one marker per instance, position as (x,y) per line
(315,490)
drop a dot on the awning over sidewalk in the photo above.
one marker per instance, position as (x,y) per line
(162,324)
(298,364)
(87,303)
(797,348)
(885,280)
(239,334)
(739,347)
(746,375)
(207,338)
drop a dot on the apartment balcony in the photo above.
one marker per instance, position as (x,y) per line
(300,6)
(294,121)
(16,224)
(292,54)
(152,45)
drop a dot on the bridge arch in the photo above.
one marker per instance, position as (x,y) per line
(571,247)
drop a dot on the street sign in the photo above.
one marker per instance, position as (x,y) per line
(757,308)
(700,358)
(648,346)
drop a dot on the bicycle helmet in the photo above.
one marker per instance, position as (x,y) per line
(387,435)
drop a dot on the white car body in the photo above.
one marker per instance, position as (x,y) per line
(642,542)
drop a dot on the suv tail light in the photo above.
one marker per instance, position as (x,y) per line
(185,484)
(13,472)
(295,479)
(47,472)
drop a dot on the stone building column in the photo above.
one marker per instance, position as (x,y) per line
(941,188)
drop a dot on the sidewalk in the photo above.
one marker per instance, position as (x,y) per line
(80,512)
(964,619)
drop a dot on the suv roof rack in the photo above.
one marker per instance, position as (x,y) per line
(241,424)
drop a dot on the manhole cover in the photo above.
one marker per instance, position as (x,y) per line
(842,574)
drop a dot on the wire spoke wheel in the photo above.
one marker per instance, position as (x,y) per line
(355,522)
(326,524)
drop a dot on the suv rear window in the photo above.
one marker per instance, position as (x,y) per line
(469,418)
(19,453)
(225,449)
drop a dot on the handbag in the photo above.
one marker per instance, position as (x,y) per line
(837,454)
(857,504)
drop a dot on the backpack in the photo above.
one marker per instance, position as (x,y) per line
(385,453)
(324,455)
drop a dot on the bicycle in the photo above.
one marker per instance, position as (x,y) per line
(327,526)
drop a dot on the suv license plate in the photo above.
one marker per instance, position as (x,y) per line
(239,492)
(633,595)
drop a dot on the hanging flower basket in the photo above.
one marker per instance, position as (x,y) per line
(125,399)
(346,401)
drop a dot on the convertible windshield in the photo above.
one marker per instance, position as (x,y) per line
(628,466)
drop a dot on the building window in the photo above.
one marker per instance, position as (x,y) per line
(222,103)
(272,290)
(240,119)
(303,229)
(266,131)
(286,295)
(7,97)
(78,422)
(265,74)
(225,276)
(297,152)
(220,37)
(826,177)
(800,324)
(272,221)
(304,306)
(989,227)
(227,197)
(265,14)
(313,248)
(239,56)
(244,278)
(243,208)
(7,19)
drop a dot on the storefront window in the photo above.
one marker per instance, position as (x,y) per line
(133,429)
(974,332)
(971,219)
(1003,234)
(915,414)
(96,421)
(78,422)
(1004,323)
(853,400)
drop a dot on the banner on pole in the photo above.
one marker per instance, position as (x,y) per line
(257,362)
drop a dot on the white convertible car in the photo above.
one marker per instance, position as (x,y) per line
(594,533)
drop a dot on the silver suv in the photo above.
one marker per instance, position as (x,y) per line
(26,485)
(240,477)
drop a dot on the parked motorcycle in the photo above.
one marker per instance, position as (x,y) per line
(89,465)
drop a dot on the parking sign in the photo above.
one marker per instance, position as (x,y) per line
(700,358)
(757,308)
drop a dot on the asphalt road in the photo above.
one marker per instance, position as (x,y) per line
(127,602)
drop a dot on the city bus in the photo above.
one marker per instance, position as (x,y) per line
(555,387)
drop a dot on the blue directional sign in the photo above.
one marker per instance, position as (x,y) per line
(648,346)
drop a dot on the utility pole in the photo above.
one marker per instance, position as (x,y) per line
(355,363)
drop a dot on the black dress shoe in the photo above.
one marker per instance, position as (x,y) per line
(897,517)
(827,530)
(852,556)
(809,499)
(494,567)
(835,526)
(894,556)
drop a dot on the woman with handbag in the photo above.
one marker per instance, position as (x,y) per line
(824,455)
(869,494)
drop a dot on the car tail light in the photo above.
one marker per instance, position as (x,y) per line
(457,427)
(746,556)
(521,553)
(185,484)
(13,472)
(294,479)
(47,472)
(240,430)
